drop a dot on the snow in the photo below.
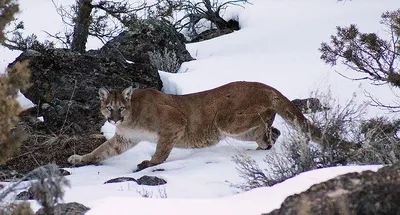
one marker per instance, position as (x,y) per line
(277,45)
(256,201)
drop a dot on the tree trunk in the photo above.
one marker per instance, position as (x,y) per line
(81,28)
(213,15)
(219,22)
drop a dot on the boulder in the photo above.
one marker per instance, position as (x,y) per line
(364,193)
(145,37)
(65,86)
(151,180)
(72,208)
(232,25)
(24,195)
(309,105)
(210,34)
(144,180)
(119,180)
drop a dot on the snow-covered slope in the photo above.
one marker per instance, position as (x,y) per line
(277,45)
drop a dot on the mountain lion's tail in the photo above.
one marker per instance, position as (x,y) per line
(288,111)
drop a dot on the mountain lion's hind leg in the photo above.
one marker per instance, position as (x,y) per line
(251,127)
(266,135)
(267,140)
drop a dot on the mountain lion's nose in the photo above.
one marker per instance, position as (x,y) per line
(111,121)
(115,122)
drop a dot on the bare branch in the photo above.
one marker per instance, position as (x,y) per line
(209,10)
(64,40)
(379,104)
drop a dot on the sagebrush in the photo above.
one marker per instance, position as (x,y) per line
(349,138)
(165,61)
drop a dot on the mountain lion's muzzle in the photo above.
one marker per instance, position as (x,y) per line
(115,117)
(115,105)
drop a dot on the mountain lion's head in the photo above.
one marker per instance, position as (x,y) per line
(115,105)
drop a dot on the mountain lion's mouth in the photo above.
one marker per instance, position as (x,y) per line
(111,121)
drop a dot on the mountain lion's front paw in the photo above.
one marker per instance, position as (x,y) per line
(144,165)
(76,160)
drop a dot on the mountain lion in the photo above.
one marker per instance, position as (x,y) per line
(241,110)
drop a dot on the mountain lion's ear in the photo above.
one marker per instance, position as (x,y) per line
(127,93)
(103,93)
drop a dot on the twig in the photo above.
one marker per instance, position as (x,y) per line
(69,106)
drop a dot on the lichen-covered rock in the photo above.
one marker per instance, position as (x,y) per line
(72,208)
(232,25)
(210,34)
(145,36)
(119,180)
(24,195)
(151,180)
(144,180)
(309,105)
(65,86)
(353,193)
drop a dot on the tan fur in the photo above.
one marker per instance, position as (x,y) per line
(242,110)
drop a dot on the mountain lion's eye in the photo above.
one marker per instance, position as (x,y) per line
(121,108)
(109,108)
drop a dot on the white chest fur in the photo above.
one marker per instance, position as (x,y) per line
(137,135)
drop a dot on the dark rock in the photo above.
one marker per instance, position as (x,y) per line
(146,36)
(209,34)
(24,195)
(64,172)
(275,133)
(151,181)
(353,193)
(119,180)
(144,180)
(309,105)
(72,208)
(233,24)
(65,87)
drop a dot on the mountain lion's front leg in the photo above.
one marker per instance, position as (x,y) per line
(114,146)
(164,147)
(172,132)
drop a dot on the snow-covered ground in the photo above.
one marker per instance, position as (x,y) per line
(277,45)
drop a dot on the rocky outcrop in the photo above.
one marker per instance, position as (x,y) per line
(65,84)
(353,193)
(145,37)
